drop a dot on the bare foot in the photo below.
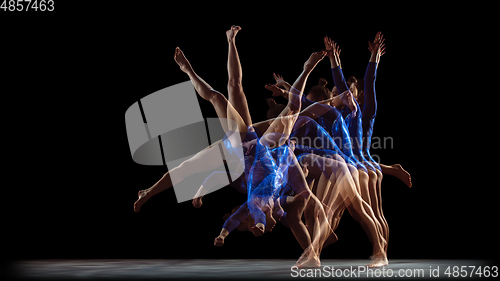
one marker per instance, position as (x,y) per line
(197,202)
(378,261)
(311,261)
(143,197)
(231,33)
(402,174)
(314,59)
(181,60)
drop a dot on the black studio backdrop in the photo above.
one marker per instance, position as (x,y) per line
(92,65)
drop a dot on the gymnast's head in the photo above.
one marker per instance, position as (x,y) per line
(356,87)
(320,92)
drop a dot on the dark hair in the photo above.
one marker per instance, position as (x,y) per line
(351,80)
(360,85)
(274,108)
(244,222)
(320,92)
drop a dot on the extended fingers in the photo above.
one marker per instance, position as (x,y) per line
(273,88)
(382,47)
(327,41)
(336,47)
(382,51)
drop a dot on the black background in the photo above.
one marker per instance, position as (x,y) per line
(73,73)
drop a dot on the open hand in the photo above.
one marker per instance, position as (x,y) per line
(332,50)
(314,59)
(336,50)
(280,82)
(377,47)
(276,91)
(328,46)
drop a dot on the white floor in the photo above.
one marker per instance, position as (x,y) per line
(245,269)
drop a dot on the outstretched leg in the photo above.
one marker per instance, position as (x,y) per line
(288,116)
(195,164)
(198,163)
(225,111)
(234,85)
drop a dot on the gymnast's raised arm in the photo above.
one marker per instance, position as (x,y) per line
(284,123)
(318,108)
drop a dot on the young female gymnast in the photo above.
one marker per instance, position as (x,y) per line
(369,180)
(241,215)
(224,109)
(358,208)
(224,231)
(271,228)
(354,124)
(265,175)
(369,110)
(263,170)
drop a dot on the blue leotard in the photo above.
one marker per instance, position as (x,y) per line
(333,122)
(354,123)
(369,111)
(267,171)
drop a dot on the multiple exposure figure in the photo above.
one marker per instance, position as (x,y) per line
(306,164)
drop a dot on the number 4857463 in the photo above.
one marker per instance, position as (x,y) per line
(27,5)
